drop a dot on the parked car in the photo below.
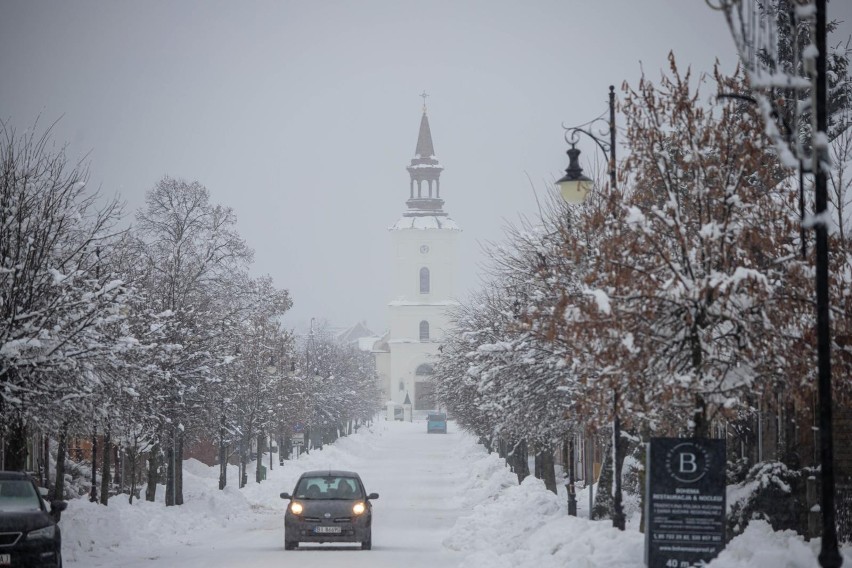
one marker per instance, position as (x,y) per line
(329,506)
(436,422)
(29,533)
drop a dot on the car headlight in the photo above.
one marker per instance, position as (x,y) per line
(296,508)
(359,508)
(47,532)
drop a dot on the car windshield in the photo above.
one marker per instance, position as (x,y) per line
(437,417)
(329,487)
(18,495)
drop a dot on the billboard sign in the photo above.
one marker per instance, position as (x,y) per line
(685,502)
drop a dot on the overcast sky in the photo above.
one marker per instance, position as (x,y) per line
(302,116)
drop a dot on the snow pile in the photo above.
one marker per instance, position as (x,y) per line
(761,547)
(488,476)
(527,525)
(92,528)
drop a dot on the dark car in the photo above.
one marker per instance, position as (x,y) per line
(329,506)
(29,534)
(436,422)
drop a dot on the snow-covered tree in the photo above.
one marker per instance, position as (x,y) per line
(57,302)
(191,251)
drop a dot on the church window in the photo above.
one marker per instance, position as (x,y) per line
(424,330)
(424,280)
(423,370)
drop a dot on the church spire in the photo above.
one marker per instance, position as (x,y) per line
(424,139)
(425,171)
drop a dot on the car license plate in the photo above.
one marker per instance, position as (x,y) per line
(5,559)
(327,530)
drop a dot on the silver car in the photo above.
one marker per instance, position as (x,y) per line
(329,506)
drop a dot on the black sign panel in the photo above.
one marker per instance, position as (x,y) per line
(685,502)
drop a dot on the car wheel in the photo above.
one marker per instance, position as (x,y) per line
(290,544)
(368,544)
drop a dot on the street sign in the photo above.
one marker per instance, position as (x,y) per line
(684,502)
(298,439)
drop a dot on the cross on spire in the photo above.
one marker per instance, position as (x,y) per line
(423,95)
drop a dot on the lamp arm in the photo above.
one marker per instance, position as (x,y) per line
(572,137)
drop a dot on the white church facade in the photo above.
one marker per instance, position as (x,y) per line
(424,242)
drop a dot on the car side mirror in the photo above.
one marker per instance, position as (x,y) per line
(373,496)
(56,508)
(286,496)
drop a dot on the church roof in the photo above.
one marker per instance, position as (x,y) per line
(424,139)
(425,222)
(355,335)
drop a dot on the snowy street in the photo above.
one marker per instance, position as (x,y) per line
(417,476)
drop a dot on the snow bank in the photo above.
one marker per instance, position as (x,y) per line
(527,526)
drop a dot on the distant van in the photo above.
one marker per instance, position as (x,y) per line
(436,422)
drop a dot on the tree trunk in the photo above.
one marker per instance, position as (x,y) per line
(285,446)
(568,461)
(790,452)
(118,477)
(93,494)
(105,474)
(223,455)
(170,471)
(619,445)
(603,508)
(46,459)
(16,446)
(153,473)
(307,442)
(643,472)
(61,444)
(538,463)
(243,463)
(702,425)
(132,456)
(519,455)
(548,470)
(179,469)
(259,464)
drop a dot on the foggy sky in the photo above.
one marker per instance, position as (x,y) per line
(302,116)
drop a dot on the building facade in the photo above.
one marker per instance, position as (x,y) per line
(424,242)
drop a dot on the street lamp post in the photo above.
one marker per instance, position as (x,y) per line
(741,21)
(574,187)
(829,556)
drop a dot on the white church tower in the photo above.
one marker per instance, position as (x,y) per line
(424,243)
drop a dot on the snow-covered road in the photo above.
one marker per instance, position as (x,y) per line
(419,477)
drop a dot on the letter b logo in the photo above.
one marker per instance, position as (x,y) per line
(688,463)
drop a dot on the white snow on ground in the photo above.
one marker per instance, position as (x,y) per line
(444,502)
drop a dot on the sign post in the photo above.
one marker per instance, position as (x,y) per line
(684,502)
